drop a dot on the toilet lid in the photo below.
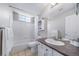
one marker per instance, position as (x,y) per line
(33,43)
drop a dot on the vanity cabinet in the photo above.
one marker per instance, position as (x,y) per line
(44,50)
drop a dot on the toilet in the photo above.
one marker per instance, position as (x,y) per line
(33,46)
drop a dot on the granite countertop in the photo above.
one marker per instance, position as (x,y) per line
(66,50)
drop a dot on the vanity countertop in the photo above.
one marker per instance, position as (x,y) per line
(66,50)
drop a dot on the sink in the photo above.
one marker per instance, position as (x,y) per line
(55,42)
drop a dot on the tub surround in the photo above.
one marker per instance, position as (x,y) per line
(66,50)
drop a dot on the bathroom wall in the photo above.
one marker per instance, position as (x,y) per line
(56,18)
(58,22)
(23,31)
(5,16)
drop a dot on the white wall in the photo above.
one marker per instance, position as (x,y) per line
(56,17)
(58,22)
(5,13)
(23,31)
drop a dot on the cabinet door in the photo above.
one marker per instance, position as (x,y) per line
(41,50)
(48,51)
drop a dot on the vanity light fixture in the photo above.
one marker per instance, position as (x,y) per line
(53,4)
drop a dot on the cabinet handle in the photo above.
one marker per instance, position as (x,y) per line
(45,53)
(46,49)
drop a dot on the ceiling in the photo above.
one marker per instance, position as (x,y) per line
(61,8)
(31,8)
(39,8)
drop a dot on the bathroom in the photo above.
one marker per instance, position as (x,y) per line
(39,29)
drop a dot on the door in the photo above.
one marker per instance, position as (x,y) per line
(0,42)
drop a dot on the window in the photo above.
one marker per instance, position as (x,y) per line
(24,18)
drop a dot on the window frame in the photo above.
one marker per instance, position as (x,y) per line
(29,18)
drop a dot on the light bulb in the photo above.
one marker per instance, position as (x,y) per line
(53,3)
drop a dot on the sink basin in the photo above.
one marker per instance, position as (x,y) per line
(55,42)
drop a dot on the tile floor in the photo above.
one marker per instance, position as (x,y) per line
(26,52)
